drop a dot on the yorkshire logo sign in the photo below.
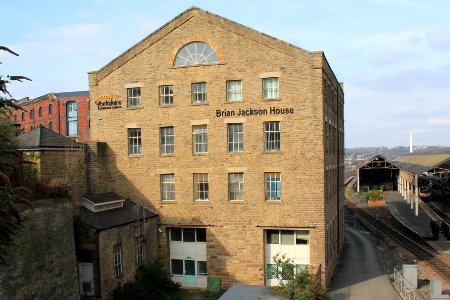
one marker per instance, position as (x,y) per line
(110,101)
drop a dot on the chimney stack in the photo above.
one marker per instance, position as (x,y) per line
(410,142)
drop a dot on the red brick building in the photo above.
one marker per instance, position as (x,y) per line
(65,113)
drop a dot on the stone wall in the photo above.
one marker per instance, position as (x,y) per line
(42,261)
(127,236)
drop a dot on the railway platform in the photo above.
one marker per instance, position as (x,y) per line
(402,211)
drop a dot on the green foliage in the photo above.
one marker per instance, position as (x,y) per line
(295,283)
(374,195)
(151,282)
(11,168)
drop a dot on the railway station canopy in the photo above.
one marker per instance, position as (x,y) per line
(427,164)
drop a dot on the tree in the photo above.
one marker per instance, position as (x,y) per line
(295,283)
(11,168)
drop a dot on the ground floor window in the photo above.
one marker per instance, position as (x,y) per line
(188,267)
(188,235)
(287,237)
(285,274)
(117,252)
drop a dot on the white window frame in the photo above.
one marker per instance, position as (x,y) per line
(272,136)
(200,138)
(117,255)
(235,137)
(134,141)
(166,95)
(236,180)
(300,236)
(234,90)
(167,187)
(272,186)
(167,140)
(134,97)
(271,88)
(140,254)
(182,234)
(201,187)
(196,53)
(199,95)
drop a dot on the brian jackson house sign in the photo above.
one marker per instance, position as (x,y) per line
(254,112)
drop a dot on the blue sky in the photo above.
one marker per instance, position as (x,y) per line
(393,56)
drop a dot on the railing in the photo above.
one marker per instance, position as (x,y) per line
(398,281)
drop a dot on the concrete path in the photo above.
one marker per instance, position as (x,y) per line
(249,292)
(359,275)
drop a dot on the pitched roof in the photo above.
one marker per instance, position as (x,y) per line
(377,162)
(214,19)
(421,163)
(71,94)
(130,212)
(41,137)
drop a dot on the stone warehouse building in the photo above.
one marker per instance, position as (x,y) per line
(235,138)
(65,113)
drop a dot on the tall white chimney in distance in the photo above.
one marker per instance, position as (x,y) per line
(410,142)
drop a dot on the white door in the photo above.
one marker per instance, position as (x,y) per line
(294,244)
(188,263)
(86,279)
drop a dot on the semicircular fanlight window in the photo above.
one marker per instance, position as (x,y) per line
(196,53)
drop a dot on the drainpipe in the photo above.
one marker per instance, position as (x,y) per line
(59,117)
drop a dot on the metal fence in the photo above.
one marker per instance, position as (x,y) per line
(398,282)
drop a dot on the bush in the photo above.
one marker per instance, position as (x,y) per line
(374,195)
(295,283)
(151,282)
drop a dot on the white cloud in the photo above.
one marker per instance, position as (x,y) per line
(438,39)
(438,122)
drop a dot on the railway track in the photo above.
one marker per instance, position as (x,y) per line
(381,222)
(414,246)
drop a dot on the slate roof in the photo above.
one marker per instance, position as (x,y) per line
(41,137)
(418,164)
(116,217)
(104,197)
(71,94)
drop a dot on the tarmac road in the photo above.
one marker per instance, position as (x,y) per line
(360,275)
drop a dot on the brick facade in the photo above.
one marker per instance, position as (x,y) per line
(310,159)
(37,112)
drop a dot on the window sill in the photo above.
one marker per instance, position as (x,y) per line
(134,107)
(199,103)
(237,201)
(201,153)
(169,201)
(199,65)
(273,152)
(236,152)
(134,155)
(201,201)
(166,105)
(234,101)
(273,201)
(167,155)
(271,99)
